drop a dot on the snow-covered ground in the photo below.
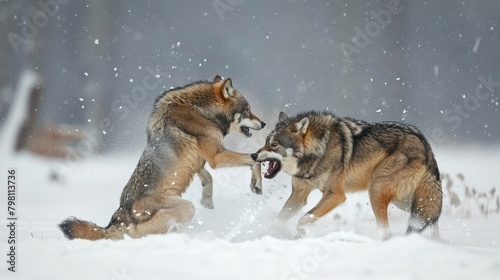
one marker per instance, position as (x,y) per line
(239,239)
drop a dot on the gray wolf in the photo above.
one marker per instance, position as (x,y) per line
(392,160)
(185,130)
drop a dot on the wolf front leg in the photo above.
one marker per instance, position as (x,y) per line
(332,197)
(227,158)
(217,156)
(213,151)
(207,184)
(300,191)
(256,182)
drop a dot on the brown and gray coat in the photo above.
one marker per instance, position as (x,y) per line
(185,130)
(392,160)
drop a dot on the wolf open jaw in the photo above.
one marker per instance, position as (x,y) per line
(393,161)
(185,130)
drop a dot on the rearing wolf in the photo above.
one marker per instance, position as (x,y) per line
(392,160)
(185,130)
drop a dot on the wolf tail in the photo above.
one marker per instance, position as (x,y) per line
(426,205)
(75,228)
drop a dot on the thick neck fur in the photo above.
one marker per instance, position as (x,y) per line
(203,98)
(315,142)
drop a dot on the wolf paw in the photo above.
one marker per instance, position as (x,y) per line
(303,225)
(207,202)
(301,232)
(256,186)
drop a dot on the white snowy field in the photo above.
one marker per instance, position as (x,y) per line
(239,239)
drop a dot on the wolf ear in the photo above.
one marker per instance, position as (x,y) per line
(227,88)
(282,117)
(217,79)
(301,126)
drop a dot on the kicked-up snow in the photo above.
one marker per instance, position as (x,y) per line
(240,239)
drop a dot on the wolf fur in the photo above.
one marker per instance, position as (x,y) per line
(392,160)
(185,130)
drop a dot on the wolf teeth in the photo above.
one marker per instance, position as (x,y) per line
(272,165)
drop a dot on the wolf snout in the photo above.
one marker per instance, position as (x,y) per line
(254,155)
(262,124)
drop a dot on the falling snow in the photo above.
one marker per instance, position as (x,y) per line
(430,64)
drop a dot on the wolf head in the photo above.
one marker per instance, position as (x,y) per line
(284,145)
(237,109)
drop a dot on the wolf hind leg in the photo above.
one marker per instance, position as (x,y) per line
(176,212)
(379,201)
(207,184)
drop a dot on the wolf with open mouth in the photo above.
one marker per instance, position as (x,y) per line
(392,160)
(185,131)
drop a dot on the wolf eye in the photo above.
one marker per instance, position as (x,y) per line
(247,110)
(274,144)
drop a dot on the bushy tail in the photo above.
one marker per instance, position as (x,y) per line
(75,228)
(426,206)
